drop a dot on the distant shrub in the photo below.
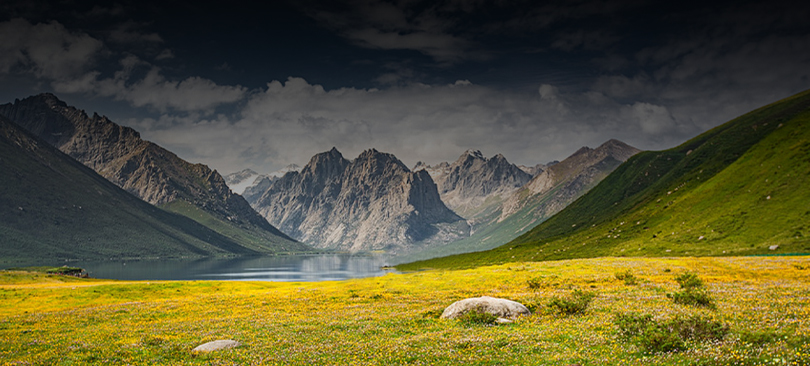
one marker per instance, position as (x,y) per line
(657,340)
(689,280)
(667,336)
(477,316)
(542,281)
(535,283)
(628,277)
(577,303)
(693,297)
(631,325)
(693,294)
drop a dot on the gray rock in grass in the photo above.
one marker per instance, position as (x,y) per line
(217,345)
(502,308)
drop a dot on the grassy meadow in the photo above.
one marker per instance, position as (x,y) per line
(760,315)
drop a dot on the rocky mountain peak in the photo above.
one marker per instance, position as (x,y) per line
(240,176)
(617,149)
(328,163)
(470,155)
(466,183)
(379,161)
(372,202)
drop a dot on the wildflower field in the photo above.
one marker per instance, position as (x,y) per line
(759,314)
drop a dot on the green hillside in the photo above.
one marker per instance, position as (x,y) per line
(738,189)
(53,207)
(261,240)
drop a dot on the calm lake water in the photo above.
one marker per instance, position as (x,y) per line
(331,267)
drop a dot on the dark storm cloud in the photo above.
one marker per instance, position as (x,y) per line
(66,59)
(262,86)
(45,50)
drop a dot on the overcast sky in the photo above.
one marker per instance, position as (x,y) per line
(236,85)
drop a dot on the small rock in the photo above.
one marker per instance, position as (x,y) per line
(217,345)
(773,247)
(701,237)
(501,308)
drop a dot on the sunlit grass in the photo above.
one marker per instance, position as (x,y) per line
(393,319)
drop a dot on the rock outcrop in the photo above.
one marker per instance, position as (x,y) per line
(371,203)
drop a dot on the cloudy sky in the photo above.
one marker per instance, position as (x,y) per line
(237,85)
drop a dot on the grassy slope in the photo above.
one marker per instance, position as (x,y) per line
(716,186)
(392,320)
(262,241)
(56,208)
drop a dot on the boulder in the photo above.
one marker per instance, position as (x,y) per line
(502,308)
(216,345)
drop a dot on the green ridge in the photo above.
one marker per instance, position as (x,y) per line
(737,189)
(250,237)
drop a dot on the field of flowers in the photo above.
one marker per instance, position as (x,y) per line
(763,301)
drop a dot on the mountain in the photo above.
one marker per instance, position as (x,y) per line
(240,180)
(738,189)
(534,170)
(289,168)
(568,179)
(472,183)
(544,195)
(55,208)
(260,184)
(371,203)
(146,170)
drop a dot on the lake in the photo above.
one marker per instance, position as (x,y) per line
(328,267)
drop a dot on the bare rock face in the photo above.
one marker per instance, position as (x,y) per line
(501,308)
(140,167)
(466,184)
(371,203)
(568,179)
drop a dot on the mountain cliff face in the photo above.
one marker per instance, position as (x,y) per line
(466,185)
(254,190)
(371,203)
(140,167)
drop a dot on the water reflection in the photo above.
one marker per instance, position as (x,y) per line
(330,267)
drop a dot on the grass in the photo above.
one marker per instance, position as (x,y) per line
(763,303)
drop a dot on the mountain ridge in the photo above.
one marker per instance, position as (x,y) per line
(143,168)
(55,208)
